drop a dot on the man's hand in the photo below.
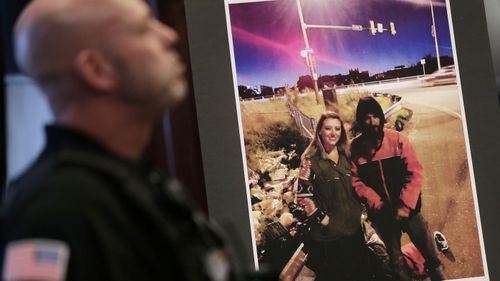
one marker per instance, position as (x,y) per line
(374,201)
(402,213)
(309,206)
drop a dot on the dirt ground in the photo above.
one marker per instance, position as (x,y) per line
(448,204)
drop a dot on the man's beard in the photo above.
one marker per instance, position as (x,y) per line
(369,142)
(373,133)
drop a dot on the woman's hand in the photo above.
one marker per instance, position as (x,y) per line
(310,209)
(309,206)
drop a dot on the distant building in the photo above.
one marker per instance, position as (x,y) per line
(358,77)
(266,91)
(280,91)
(246,92)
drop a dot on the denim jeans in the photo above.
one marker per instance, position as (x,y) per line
(390,230)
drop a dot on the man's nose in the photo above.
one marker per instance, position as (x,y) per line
(168,35)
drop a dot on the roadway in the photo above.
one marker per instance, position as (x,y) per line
(437,134)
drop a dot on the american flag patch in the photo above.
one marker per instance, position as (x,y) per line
(36,259)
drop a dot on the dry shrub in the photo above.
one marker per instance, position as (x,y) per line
(267,126)
(346,106)
(273,136)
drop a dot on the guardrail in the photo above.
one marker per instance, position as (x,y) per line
(306,124)
(263,98)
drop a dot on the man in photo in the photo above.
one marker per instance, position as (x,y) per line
(387,176)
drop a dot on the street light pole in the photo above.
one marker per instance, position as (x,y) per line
(308,51)
(310,55)
(434,34)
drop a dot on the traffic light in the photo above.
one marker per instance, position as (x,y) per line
(380,28)
(393,28)
(373,29)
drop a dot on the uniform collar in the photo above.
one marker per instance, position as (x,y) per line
(59,137)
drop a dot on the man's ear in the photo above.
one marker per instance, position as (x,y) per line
(96,70)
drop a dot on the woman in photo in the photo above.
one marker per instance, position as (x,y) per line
(336,249)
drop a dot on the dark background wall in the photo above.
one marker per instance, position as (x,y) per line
(3,170)
(10,11)
(185,136)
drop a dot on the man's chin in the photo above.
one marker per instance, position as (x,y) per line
(176,93)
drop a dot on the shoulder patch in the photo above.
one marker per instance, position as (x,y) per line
(36,259)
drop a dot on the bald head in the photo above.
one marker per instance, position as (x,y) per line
(107,66)
(91,47)
(49,34)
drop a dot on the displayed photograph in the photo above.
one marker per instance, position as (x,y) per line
(354,139)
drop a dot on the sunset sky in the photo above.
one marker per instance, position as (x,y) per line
(267,37)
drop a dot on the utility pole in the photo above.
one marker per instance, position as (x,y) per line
(308,52)
(311,62)
(434,34)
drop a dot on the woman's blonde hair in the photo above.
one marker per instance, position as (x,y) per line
(317,143)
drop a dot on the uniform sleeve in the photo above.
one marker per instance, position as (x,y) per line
(414,178)
(364,192)
(56,213)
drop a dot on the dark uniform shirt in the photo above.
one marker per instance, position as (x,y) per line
(119,219)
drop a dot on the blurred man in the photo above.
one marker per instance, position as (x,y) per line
(88,208)
(387,175)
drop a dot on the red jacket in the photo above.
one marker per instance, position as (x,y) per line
(393,172)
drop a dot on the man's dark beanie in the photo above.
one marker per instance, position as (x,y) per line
(368,105)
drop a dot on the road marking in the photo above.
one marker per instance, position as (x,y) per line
(439,108)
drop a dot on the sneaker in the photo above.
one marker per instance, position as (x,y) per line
(441,242)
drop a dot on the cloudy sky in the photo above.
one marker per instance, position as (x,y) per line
(267,37)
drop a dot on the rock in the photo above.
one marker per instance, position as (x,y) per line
(287,219)
(279,174)
(257,193)
(288,197)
